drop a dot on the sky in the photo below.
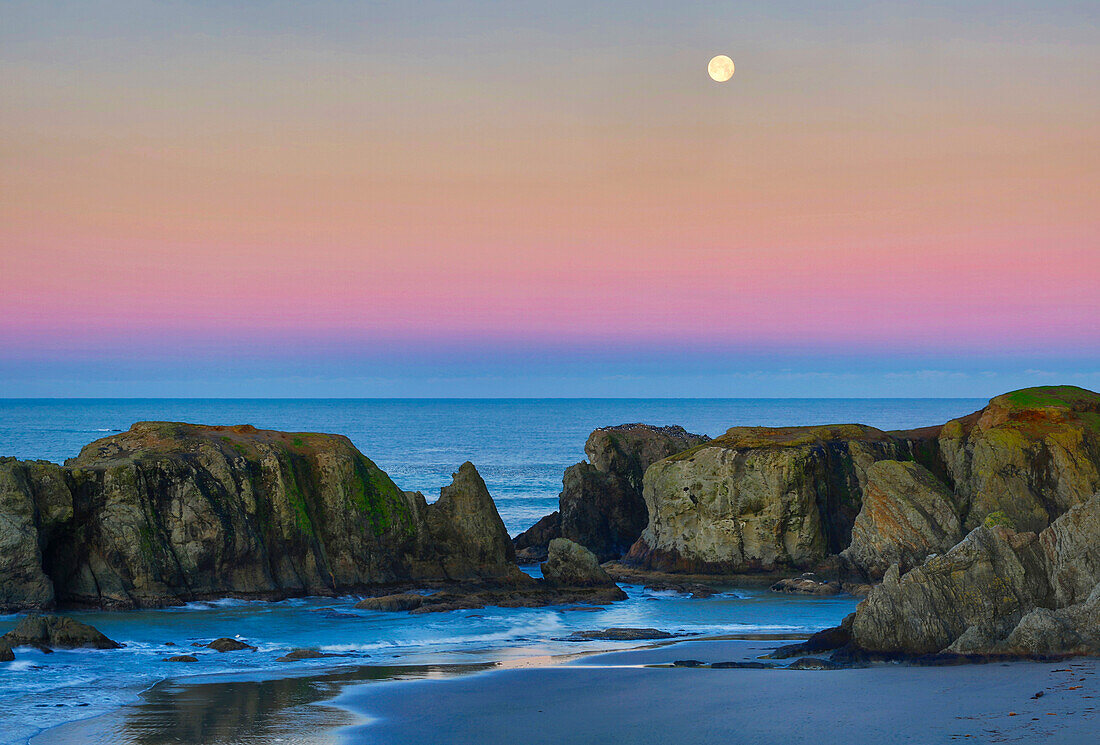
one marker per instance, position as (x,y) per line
(298,199)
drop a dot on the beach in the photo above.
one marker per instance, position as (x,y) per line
(629,696)
(615,698)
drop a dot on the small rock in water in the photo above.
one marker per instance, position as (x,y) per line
(1040,694)
(617,635)
(813,663)
(306,654)
(404,601)
(182,658)
(688,663)
(229,645)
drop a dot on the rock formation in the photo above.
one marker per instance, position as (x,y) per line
(167,513)
(47,632)
(756,498)
(601,505)
(907,515)
(997,591)
(788,499)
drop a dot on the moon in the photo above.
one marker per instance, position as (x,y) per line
(720,68)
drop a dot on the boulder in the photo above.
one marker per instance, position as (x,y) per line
(182,658)
(56,631)
(814,663)
(225,644)
(907,514)
(806,584)
(990,580)
(572,565)
(823,641)
(305,654)
(394,603)
(6,655)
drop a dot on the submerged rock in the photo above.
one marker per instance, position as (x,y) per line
(226,644)
(618,634)
(295,655)
(182,658)
(814,663)
(56,631)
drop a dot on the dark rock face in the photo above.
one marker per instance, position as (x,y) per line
(532,544)
(167,513)
(34,502)
(56,631)
(571,565)
(601,505)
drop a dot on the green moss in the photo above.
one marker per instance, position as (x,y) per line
(373,493)
(1064,396)
(994,519)
(298,442)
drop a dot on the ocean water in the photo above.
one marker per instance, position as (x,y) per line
(520,447)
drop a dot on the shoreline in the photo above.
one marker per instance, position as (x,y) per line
(307,690)
(509,699)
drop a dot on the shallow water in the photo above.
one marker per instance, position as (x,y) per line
(44,690)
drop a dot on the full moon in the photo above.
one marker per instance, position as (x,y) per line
(720,68)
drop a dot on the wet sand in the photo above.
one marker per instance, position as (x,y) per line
(622,697)
(614,698)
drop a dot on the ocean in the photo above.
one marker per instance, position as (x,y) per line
(521,448)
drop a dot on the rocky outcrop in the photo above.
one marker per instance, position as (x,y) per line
(49,632)
(570,564)
(776,500)
(1027,457)
(907,515)
(35,502)
(759,499)
(168,513)
(997,591)
(601,505)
